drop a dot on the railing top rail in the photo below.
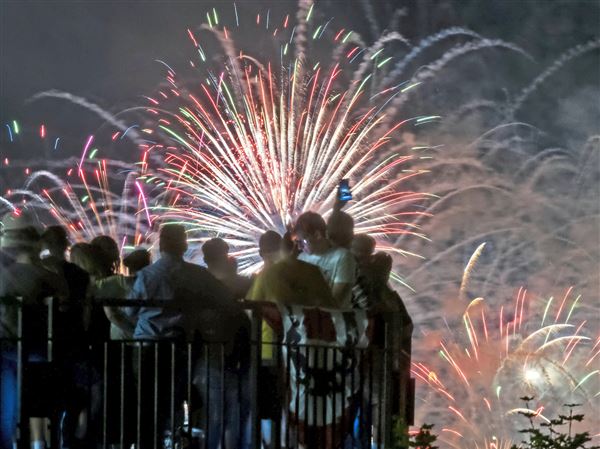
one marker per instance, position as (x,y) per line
(254,306)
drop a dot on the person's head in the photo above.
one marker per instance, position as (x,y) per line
(215,253)
(55,240)
(363,247)
(340,229)
(110,258)
(88,258)
(173,240)
(311,232)
(136,260)
(269,246)
(381,267)
(19,236)
(289,247)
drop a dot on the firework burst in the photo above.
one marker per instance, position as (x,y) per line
(83,200)
(534,347)
(260,142)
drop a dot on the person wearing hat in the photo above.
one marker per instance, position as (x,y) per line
(22,276)
(136,260)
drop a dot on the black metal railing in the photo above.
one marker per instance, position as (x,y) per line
(323,390)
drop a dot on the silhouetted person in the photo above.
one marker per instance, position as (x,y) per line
(110,249)
(69,324)
(224,267)
(201,305)
(70,343)
(340,229)
(336,263)
(24,277)
(215,253)
(363,247)
(292,281)
(269,245)
(384,298)
(109,284)
(387,302)
(136,260)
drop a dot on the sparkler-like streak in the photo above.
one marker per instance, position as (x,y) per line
(84,202)
(496,360)
(262,142)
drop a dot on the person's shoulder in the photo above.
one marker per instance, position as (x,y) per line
(152,269)
(116,279)
(298,268)
(340,251)
(74,269)
(244,281)
(39,271)
(292,264)
(191,267)
(340,254)
(52,263)
(52,281)
(305,257)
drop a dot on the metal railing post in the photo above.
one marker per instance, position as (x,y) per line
(255,361)
(22,429)
(387,384)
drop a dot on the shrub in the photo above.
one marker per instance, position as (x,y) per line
(546,435)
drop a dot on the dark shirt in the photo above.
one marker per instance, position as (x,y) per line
(190,288)
(31,283)
(69,320)
(77,279)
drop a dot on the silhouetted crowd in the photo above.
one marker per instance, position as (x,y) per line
(315,264)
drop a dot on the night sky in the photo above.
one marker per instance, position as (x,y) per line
(105,51)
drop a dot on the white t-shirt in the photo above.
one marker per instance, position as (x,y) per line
(338,267)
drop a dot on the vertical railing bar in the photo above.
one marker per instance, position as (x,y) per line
(239,394)
(189,386)
(325,393)
(343,393)
(139,396)
(122,398)
(256,354)
(316,351)
(276,351)
(222,393)
(370,421)
(363,402)
(23,425)
(90,371)
(288,388)
(388,367)
(306,381)
(155,398)
(50,335)
(50,358)
(354,363)
(207,395)
(380,399)
(173,393)
(104,393)
(297,395)
(335,396)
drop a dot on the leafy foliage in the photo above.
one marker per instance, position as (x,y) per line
(424,439)
(547,436)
